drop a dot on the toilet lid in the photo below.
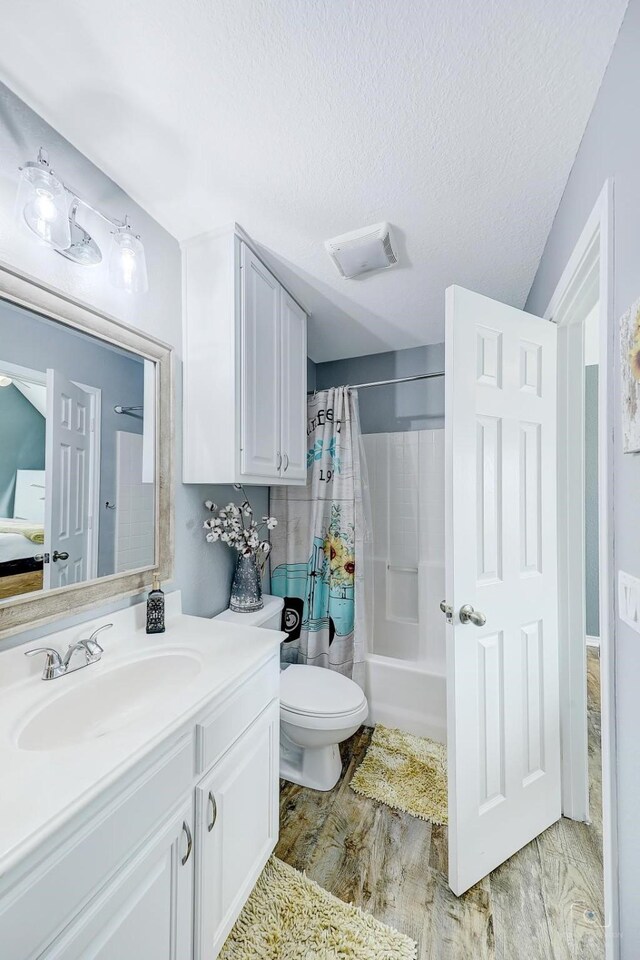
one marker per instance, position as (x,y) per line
(318,692)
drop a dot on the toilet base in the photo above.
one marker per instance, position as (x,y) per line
(316,767)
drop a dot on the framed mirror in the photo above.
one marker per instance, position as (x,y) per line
(86,513)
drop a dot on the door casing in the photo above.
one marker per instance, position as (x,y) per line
(589,267)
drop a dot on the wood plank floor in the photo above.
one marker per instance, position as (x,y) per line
(545,903)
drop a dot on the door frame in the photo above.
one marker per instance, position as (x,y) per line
(591,262)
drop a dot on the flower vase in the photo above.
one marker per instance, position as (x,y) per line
(246,589)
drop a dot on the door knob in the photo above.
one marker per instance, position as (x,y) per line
(469,615)
(60,556)
(446,609)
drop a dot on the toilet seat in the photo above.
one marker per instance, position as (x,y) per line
(314,696)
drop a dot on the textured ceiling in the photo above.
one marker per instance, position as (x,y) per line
(303,119)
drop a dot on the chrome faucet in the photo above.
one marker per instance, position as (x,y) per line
(57,666)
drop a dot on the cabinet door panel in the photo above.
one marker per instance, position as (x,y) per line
(260,361)
(293,321)
(146,912)
(242,790)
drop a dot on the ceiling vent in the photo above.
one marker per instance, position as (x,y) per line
(362,251)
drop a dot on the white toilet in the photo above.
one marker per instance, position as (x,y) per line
(318,710)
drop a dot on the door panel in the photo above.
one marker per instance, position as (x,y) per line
(260,353)
(293,338)
(68,448)
(502,676)
(237,817)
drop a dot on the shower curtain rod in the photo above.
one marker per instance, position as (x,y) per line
(383,383)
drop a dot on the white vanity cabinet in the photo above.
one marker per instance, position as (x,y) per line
(159,865)
(147,911)
(245,367)
(237,816)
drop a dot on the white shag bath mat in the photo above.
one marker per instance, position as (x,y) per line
(406,772)
(289,917)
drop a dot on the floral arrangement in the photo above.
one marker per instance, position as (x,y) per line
(237,526)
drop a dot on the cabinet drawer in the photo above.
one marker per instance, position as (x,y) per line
(222,727)
(39,907)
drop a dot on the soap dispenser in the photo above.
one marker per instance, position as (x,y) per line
(155,608)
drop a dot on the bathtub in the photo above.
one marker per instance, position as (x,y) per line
(404,694)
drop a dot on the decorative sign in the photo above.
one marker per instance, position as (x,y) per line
(630,368)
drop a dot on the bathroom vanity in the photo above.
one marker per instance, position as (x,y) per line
(139,797)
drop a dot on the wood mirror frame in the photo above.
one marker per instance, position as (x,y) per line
(32,610)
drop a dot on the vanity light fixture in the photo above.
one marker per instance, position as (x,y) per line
(127,264)
(42,202)
(49,208)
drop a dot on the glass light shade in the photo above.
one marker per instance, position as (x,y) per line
(127,264)
(5,381)
(43,204)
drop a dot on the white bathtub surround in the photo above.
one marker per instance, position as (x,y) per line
(135,507)
(318,546)
(102,771)
(405,681)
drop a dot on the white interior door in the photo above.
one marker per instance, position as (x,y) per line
(293,381)
(67,508)
(503,724)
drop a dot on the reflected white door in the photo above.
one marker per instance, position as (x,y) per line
(503,725)
(67,488)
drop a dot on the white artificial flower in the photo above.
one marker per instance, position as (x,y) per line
(271,523)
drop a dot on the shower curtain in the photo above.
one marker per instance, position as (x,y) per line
(317,561)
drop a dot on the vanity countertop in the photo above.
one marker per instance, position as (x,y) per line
(192,663)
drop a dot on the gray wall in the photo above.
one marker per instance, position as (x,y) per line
(592,562)
(611,148)
(396,407)
(203,571)
(22,437)
(31,341)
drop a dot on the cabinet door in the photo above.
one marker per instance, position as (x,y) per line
(146,912)
(260,364)
(237,829)
(293,378)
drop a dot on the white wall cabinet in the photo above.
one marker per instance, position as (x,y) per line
(245,367)
(237,815)
(165,862)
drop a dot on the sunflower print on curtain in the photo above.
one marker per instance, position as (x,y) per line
(316,562)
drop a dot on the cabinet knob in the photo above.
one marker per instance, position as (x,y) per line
(214,811)
(187,832)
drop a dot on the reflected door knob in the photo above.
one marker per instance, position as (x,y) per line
(468,615)
(60,556)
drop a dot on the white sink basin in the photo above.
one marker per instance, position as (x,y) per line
(106,703)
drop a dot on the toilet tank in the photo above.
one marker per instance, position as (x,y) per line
(269,617)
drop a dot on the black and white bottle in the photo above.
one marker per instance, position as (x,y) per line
(155,608)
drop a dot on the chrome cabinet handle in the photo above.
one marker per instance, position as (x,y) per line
(185,827)
(468,615)
(60,556)
(214,812)
(286,462)
(279,456)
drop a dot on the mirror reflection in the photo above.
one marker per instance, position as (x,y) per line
(77,456)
